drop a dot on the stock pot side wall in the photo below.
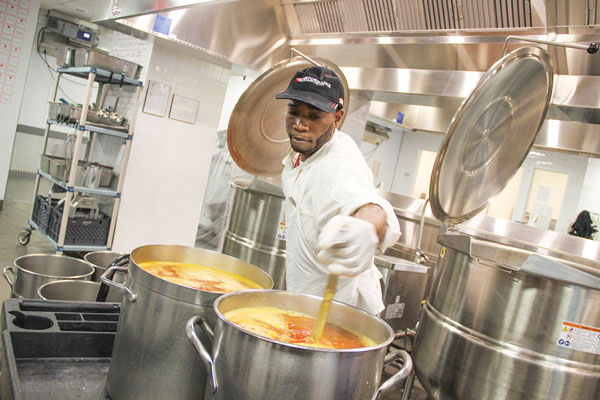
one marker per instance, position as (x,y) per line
(256,216)
(253,369)
(152,357)
(265,259)
(510,307)
(452,365)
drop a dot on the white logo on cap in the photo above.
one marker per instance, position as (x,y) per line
(313,80)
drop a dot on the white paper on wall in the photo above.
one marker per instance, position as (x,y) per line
(13,19)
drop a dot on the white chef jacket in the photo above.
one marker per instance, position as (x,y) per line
(335,180)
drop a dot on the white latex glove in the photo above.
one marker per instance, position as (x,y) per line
(348,245)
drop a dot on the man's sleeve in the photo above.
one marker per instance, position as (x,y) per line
(350,188)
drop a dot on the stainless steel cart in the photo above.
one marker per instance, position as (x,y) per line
(70,184)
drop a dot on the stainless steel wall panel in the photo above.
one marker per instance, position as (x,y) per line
(425,82)
(422,118)
(570,137)
(579,91)
(248,33)
(429,100)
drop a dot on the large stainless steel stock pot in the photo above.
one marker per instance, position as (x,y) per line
(495,330)
(255,230)
(31,271)
(246,366)
(151,356)
(500,322)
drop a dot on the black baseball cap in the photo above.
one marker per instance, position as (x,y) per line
(318,86)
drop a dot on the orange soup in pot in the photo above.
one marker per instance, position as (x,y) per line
(199,277)
(295,328)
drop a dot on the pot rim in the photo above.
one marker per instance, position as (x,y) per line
(143,277)
(70,281)
(85,257)
(63,277)
(220,315)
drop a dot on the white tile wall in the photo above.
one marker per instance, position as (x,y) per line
(170,160)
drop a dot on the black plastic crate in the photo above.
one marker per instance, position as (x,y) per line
(81,231)
(35,217)
(42,208)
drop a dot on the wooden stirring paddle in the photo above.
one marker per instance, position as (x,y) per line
(324,310)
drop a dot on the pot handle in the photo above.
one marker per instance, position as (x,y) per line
(398,376)
(204,354)
(121,286)
(5,274)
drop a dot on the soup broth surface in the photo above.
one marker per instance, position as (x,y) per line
(199,277)
(294,327)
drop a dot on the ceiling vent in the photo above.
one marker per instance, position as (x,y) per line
(593,13)
(356,16)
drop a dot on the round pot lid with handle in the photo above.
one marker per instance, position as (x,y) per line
(491,134)
(256,134)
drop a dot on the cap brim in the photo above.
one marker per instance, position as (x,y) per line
(311,98)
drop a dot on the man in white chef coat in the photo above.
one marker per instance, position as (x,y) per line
(335,220)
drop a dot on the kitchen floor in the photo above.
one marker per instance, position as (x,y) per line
(13,219)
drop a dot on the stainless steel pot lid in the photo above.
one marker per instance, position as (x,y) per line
(491,134)
(256,133)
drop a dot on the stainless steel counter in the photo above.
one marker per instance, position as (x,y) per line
(580,253)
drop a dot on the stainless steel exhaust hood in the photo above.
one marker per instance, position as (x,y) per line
(108,10)
(421,57)
(250,33)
